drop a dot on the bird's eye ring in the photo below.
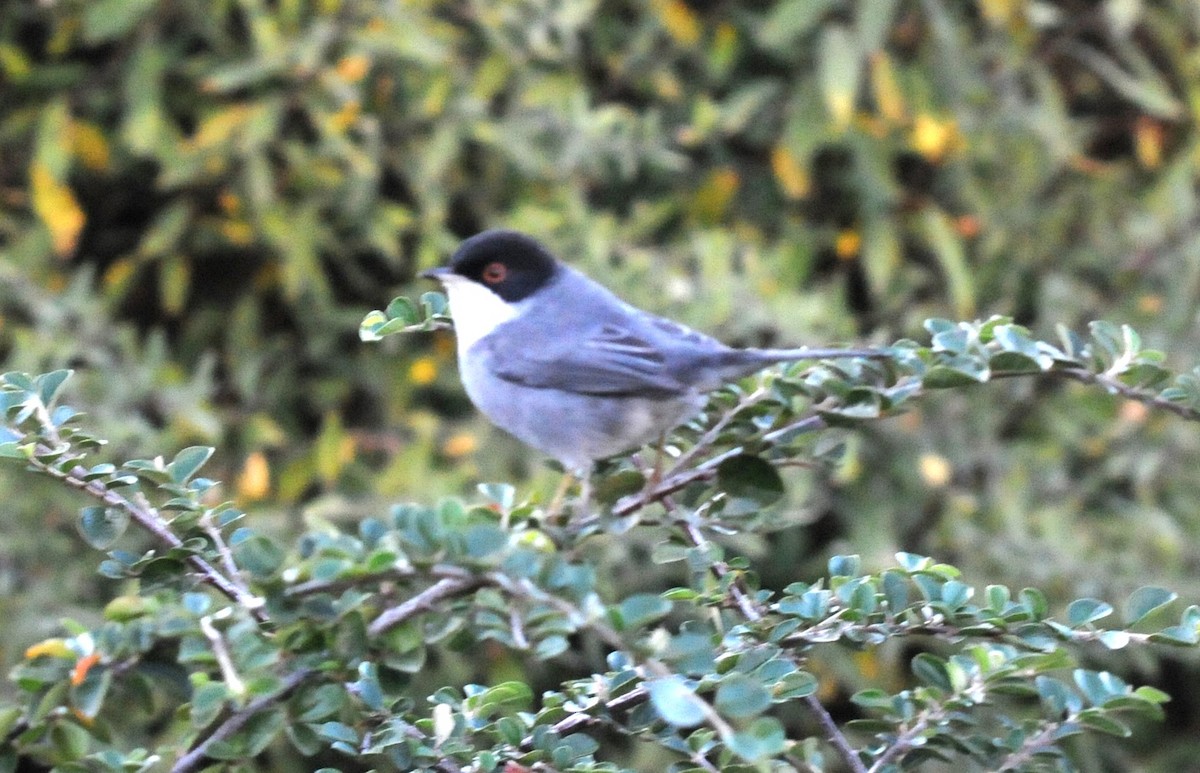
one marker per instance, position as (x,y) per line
(495,272)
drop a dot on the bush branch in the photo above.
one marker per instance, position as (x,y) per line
(197,757)
(150,521)
(445,588)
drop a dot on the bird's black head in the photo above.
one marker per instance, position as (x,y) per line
(509,263)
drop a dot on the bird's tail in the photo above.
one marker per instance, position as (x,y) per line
(769,356)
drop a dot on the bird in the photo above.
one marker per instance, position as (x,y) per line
(560,362)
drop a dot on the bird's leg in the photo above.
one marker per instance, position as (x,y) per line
(560,495)
(656,473)
(585,494)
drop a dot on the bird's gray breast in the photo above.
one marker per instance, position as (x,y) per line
(576,429)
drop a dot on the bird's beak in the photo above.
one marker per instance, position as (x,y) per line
(435,273)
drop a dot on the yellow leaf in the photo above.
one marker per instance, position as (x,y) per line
(423,371)
(82,666)
(238,232)
(230,202)
(459,445)
(353,68)
(89,145)
(1148,142)
(254,481)
(715,194)
(789,173)
(333,449)
(935,469)
(13,63)
(932,138)
(219,127)
(174,281)
(888,97)
(680,21)
(54,648)
(55,204)
(118,274)
(345,117)
(1150,303)
(847,244)
(999,12)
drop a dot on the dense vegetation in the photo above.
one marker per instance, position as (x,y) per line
(200,201)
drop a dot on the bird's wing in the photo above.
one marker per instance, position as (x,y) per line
(609,360)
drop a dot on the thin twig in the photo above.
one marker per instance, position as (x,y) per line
(440,590)
(1031,747)
(149,520)
(903,743)
(708,467)
(834,734)
(224,660)
(708,438)
(198,756)
(227,562)
(407,572)
(753,612)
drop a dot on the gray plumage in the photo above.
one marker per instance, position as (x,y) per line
(571,369)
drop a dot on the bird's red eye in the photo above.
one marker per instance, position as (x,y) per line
(494,273)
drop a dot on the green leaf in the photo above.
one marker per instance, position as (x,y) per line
(1083,611)
(506,698)
(797,684)
(207,701)
(105,20)
(895,591)
(931,670)
(1035,601)
(1145,600)
(1058,698)
(88,696)
(1098,720)
(403,309)
(952,259)
(666,552)
(49,384)
(485,539)
(258,555)
(840,70)
(675,702)
(740,696)
(187,462)
(551,646)
(750,484)
(955,372)
(336,731)
(102,526)
(367,687)
(763,738)
(845,566)
(434,304)
(642,609)
(260,731)
(788,20)
(9,716)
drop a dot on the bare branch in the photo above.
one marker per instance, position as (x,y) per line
(444,588)
(1032,746)
(221,653)
(149,520)
(197,757)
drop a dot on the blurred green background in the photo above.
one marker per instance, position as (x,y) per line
(199,200)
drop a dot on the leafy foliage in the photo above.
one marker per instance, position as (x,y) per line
(322,643)
(201,200)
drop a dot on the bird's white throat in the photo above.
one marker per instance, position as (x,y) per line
(477,310)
